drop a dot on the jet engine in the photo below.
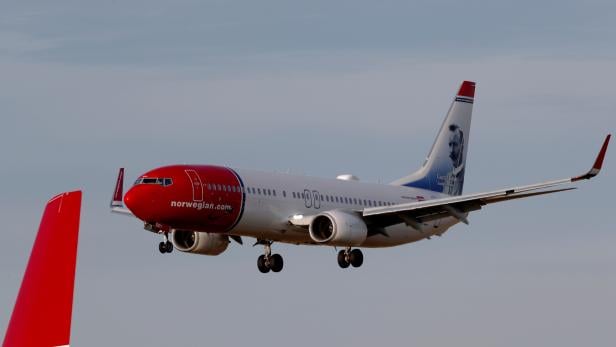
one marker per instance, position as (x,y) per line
(338,228)
(199,242)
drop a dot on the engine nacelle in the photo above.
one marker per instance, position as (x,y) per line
(199,242)
(338,228)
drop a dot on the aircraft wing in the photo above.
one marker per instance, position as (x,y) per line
(416,213)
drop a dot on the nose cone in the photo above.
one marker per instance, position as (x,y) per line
(138,200)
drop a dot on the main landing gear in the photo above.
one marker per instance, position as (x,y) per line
(348,257)
(269,261)
(165,246)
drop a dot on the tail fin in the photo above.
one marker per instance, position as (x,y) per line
(443,170)
(42,312)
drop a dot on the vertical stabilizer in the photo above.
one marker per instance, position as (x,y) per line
(443,170)
(42,313)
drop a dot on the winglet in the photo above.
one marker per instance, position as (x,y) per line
(596,168)
(42,312)
(118,193)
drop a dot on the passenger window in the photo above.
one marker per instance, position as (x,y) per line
(259,191)
(284,193)
(274,191)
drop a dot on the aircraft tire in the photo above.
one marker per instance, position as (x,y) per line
(342,262)
(261,264)
(162,247)
(276,263)
(356,258)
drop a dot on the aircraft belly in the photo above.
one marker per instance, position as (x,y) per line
(269,221)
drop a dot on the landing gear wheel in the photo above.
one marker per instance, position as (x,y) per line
(276,263)
(261,264)
(169,246)
(162,247)
(342,260)
(356,258)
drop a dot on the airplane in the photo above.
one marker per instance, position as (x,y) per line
(200,208)
(42,313)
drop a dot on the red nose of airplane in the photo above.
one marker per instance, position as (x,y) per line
(141,203)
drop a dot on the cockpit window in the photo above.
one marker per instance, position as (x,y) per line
(154,180)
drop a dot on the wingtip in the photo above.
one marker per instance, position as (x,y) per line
(599,161)
(598,164)
(118,192)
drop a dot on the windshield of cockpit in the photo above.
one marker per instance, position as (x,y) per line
(154,180)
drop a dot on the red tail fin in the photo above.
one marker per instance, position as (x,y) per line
(42,313)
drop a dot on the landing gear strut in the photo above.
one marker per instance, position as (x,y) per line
(269,261)
(348,257)
(165,246)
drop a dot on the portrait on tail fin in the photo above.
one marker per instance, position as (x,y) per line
(454,180)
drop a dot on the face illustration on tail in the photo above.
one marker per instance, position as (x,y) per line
(453,182)
(444,169)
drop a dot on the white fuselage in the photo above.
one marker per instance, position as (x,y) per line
(272,199)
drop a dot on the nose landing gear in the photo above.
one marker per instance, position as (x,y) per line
(165,246)
(269,261)
(348,257)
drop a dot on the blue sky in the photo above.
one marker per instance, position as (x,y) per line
(318,88)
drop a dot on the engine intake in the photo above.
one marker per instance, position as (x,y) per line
(338,228)
(199,242)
